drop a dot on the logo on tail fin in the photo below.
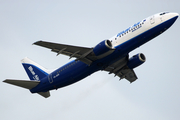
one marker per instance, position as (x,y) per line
(35,71)
(35,77)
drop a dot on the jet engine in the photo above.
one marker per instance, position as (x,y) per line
(136,60)
(102,47)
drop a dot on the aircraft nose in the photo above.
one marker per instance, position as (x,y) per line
(172,17)
(175,15)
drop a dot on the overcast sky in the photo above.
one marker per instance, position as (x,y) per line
(154,96)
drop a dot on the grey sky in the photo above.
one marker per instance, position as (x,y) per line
(155,95)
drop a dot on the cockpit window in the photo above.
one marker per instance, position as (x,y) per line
(164,13)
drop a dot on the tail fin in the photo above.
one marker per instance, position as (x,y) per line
(35,73)
(34,70)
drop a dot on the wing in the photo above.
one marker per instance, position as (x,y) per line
(81,53)
(121,70)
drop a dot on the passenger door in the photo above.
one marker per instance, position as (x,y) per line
(50,78)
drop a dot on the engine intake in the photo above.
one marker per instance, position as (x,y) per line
(102,47)
(136,60)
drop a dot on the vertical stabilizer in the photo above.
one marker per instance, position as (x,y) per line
(34,70)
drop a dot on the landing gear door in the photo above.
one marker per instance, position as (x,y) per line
(50,78)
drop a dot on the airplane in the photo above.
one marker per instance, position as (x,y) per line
(111,55)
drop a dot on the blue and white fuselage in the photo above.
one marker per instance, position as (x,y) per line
(110,55)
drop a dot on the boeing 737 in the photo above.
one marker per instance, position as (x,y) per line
(111,55)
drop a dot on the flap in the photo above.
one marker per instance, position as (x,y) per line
(128,74)
(120,69)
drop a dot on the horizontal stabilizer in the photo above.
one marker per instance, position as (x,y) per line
(22,83)
(44,94)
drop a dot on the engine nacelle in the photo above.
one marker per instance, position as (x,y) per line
(102,47)
(136,60)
